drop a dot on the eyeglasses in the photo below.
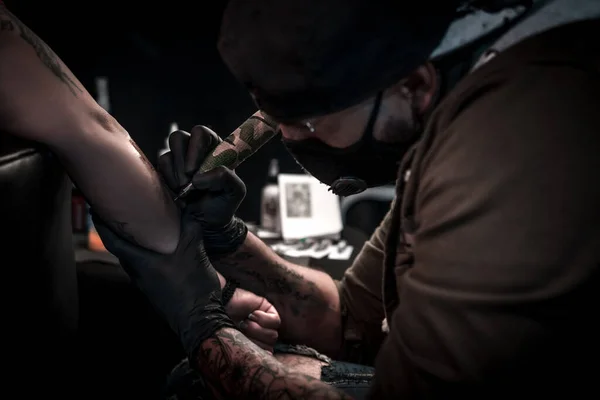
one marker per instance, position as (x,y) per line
(374,113)
(310,127)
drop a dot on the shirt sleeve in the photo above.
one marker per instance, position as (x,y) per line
(361,298)
(506,246)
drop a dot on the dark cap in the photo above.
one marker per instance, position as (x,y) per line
(303,58)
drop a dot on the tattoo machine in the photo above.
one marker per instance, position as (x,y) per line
(239,145)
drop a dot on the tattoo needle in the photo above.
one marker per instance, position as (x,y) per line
(183,192)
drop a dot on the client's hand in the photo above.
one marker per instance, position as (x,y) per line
(182,286)
(216,194)
(256,318)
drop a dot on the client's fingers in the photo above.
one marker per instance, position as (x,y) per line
(265,319)
(255,332)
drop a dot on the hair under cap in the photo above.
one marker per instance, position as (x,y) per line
(303,58)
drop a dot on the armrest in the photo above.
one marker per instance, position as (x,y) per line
(381,193)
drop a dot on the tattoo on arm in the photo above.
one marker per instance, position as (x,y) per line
(275,279)
(9,22)
(6,25)
(237,368)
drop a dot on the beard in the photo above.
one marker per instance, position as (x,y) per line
(404,129)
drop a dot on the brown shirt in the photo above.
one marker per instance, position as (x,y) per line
(489,257)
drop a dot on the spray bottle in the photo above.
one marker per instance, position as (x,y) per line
(270,217)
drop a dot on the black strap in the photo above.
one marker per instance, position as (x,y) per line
(228,291)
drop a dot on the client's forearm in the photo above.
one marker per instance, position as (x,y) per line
(306,299)
(49,105)
(237,368)
(121,185)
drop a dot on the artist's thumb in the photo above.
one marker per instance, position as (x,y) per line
(117,245)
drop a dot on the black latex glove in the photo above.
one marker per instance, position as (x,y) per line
(182,286)
(216,194)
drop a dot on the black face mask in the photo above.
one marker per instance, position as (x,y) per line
(352,169)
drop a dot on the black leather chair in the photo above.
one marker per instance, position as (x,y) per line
(366,210)
(39,295)
(68,330)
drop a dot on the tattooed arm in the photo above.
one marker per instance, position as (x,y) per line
(41,100)
(236,368)
(307,300)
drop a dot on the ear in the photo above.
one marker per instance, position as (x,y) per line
(422,84)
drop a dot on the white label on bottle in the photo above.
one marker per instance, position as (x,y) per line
(103,98)
(269,216)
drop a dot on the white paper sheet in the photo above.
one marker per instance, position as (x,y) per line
(308,209)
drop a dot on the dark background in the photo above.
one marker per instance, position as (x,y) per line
(162,66)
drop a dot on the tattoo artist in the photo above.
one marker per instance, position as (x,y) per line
(489,256)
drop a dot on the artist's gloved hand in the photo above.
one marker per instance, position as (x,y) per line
(182,286)
(216,194)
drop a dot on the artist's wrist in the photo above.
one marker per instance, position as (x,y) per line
(221,242)
(227,291)
(199,355)
(203,327)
